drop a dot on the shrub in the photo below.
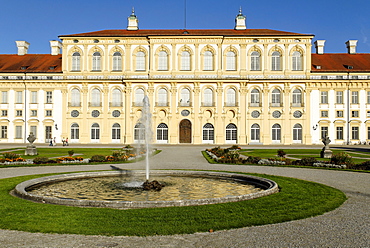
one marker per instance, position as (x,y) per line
(342,158)
(10,155)
(253,160)
(41,160)
(309,161)
(97,158)
(281,153)
(363,166)
(71,152)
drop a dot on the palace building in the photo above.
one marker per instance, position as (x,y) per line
(215,86)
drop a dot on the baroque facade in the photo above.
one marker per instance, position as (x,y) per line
(235,86)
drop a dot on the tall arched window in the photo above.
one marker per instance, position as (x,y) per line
(162,61)
(96,61)
(185,97)
(208,61)
(255,98)
(162,133)
(297,133)
(297,61)
(75,98)
(208,133)
(116,98)
(231,133)
(230,97)
(230,61)
(116,131)
(139,132)
(139,97)
(255,133)
(297,98)
(275,98)
(276,133)
(185,61)
(162,97)
(117,61)
(75,131)
(208,97)
(255,61)
(76,58)
(95,98)
(140,61)
(275,61)
(95,131)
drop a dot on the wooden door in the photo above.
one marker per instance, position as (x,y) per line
(185,131)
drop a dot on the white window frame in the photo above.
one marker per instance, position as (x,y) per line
(185,61)
(96,61)
(162,61)
(76,61)
(208,61)
(230,61)
(117,61)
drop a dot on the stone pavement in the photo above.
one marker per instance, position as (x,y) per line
(347,226)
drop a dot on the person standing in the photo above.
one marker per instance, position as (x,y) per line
(54,141)
(67,141)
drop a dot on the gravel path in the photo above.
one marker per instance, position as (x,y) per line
(347,226)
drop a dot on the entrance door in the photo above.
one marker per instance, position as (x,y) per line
(48,134)
(185,131)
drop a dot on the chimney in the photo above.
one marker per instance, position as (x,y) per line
(319,44)
(22,47)
(55,46)
(351,46)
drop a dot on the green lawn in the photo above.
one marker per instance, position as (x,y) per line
(297,199)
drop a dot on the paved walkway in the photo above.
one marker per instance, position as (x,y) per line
(347,226)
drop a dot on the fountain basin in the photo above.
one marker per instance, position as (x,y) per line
(22,190)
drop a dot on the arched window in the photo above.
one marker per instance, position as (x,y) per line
(162,132)
(185,61)
(75,131)
(230,61)
(162,61)
(162,97)
(275,98)
(231,133)
(208,133)
(117,61)
(95,131)
(185,97)
(116,131)
(75,98)
(297,133)
(140,61)
(275,61)
(116,98)
(255,98)
(297,61)
(76,58)
(139,97)
(95,98)
(96,61)
(139,132)
(208,61)
(230,97)
(276,133)
(255,61)
(208,97)
(297,98)
(255,133)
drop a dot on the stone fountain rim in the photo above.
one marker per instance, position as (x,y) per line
(269,186)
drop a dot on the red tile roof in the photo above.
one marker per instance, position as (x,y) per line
(339,62)
(30,63)
(184,32)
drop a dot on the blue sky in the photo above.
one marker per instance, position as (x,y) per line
(39,21)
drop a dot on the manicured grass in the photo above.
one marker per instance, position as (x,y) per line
(297,199)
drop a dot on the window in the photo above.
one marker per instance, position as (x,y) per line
(208,61)
(276,133)
(140,61)
(355,113)
(339,97)
(33,129)
(275,61)
(368,114)
(4,132)
(255,61)
(49,113)
(139,97)
(231,132)
(116,131)
(355,97)
(324,132)
(230,61)
(255,97)
(4,112)
(139,132)
(116,98)
(297,98)
(339,113)
(4,97)
(324,113)
(95,131)
(255,133)
(208,97)
(96,61)
(297,133)
(324,97)
(368,97)
(339,133)
(18,97)
(95,98)
(230,97)
(162,61)
(117,61)
(18,113)
(49,96)
(75,131)
(368,132)
(76,57)
(185,61)
(275,98)
(18,132)
(33,96)
(185,97)
(75,98)
(297,61)
(208,133)
(355,133)
(162,132)
(162,97)
(33,112)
